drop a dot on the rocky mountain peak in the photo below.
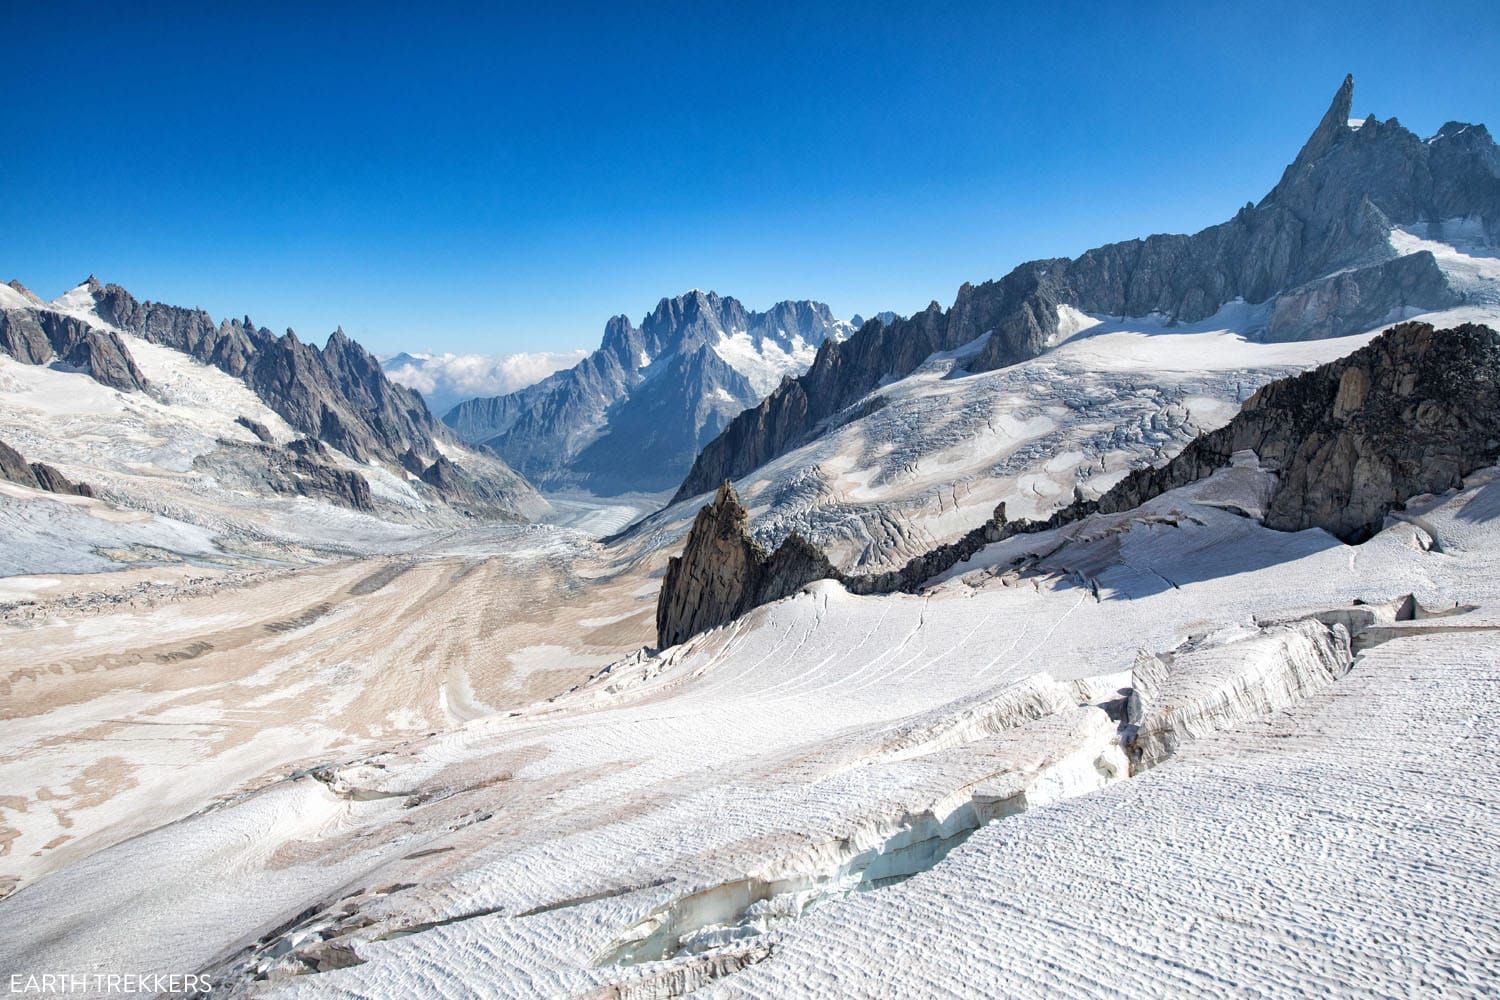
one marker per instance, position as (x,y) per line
(1316,251)
(37,333)
(632,415)
(693,318)
(723,572)
(337,394)
(618,328)
(1411,413)
(1334,124)
(26,293)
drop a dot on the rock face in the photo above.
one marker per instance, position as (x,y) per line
(723,572)
(303,467)
(37,475)
(477,497)
(1360,298)
(1317,248)
(37,337)
(337,394)
(315,474)
(257,428)
(1412,412)
(633,414)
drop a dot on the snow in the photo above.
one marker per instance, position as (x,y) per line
(449,765)
(947,445)
(153,453)
(767,808)
(203,395)
(1070,323)
(1293,856)
(1471,266)
(141,451)
(77,535)
(601,516)
(12,299)
(765,360)
(78,302)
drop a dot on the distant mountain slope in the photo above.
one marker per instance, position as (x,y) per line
(336,396)
(632,415)
(447,379)
(1411,413)
(1318,250)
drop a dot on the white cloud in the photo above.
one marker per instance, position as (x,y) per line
(446,379)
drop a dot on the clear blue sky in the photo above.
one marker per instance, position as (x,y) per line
(452,180)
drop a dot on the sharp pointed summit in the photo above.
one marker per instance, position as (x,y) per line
(1334,125)
(1315,254)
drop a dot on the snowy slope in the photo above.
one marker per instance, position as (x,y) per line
(152,454)
(935,778)
(764,357)
(922,459)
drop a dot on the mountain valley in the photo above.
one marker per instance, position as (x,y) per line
(1128,626)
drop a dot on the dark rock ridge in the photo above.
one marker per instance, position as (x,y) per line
(316,474)
(36,337)
(632,415)
(37,475)
(723,572)
(337,394)
(257,428)
(1316,247)
(475,496)
(303,467)
(1411,413)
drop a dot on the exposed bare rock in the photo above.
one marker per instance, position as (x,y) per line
(257,428)
(1317,248)
(723,572)
(465,492)
(37,475)
(304,467)
(14,467)
(38,337)
(1412,412)
(1360,298)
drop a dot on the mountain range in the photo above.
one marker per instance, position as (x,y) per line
(633,414)
(334,397)
(1126,627)
(1317,252)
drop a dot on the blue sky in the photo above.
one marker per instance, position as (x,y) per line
(503,181)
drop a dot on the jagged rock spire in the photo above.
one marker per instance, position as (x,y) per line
(723,572)
(1333,127)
